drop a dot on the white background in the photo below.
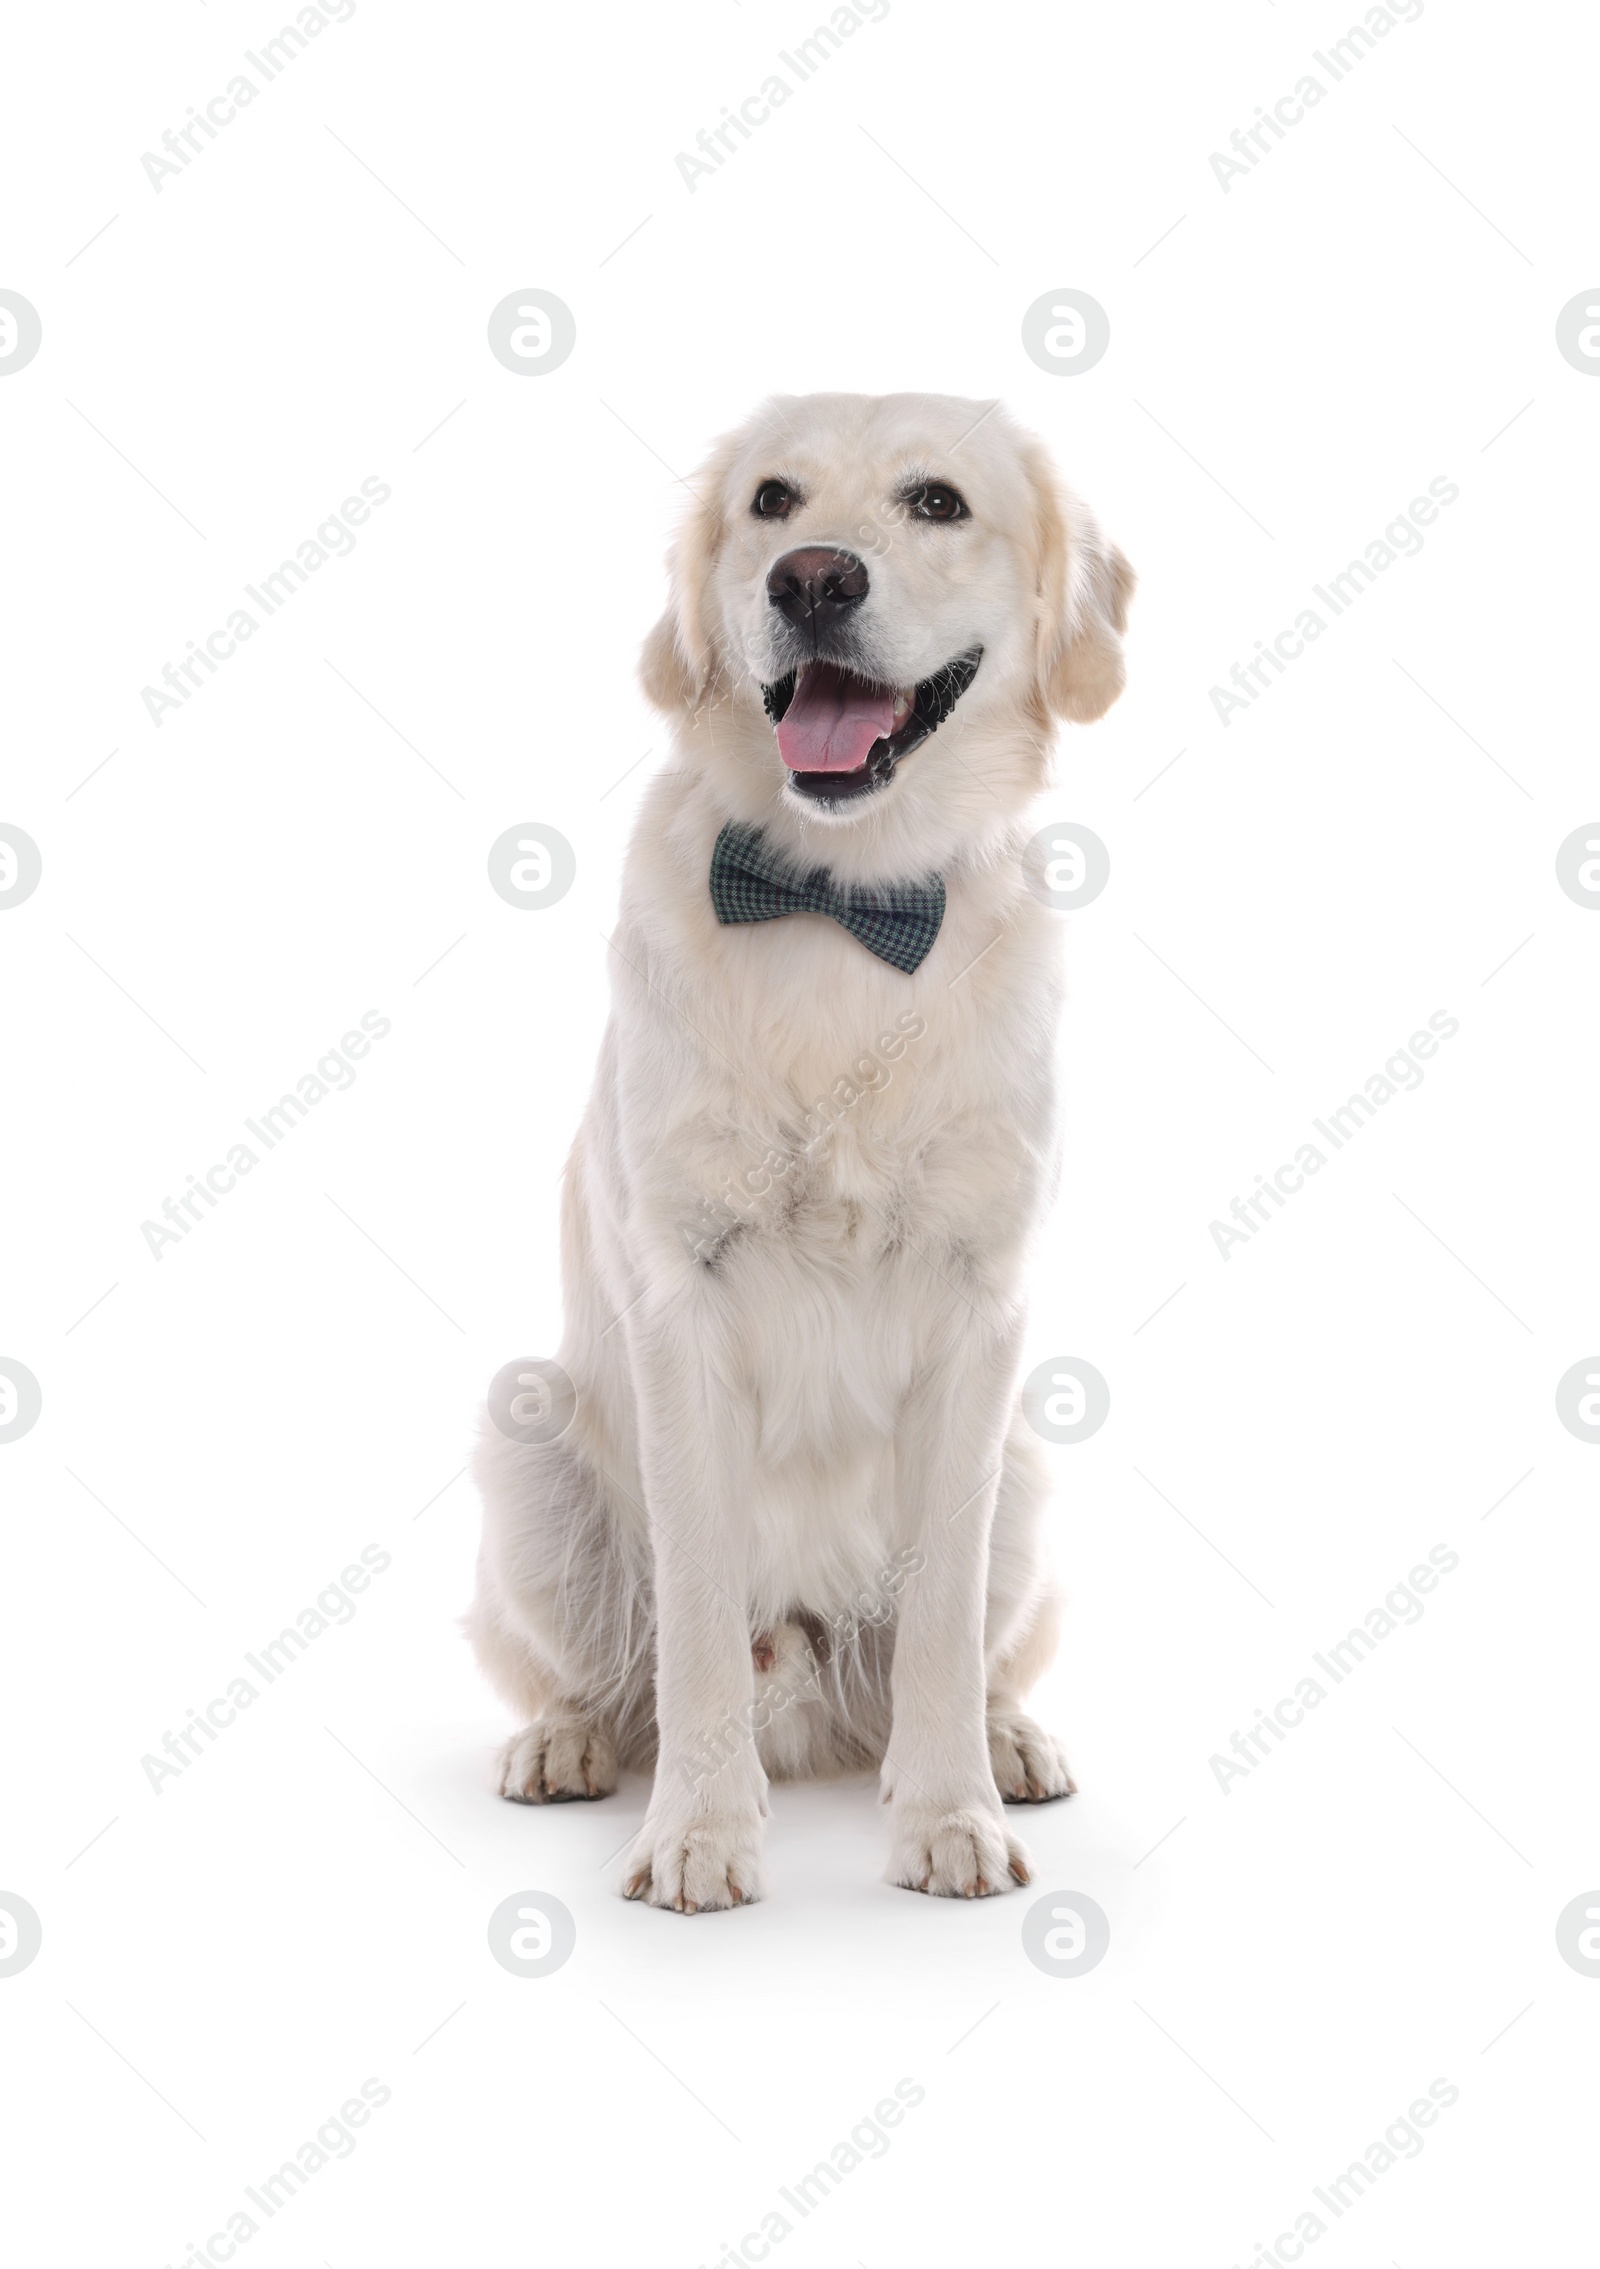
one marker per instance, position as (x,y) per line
(1294,360)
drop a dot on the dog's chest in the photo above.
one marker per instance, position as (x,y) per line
(912,1143)
(843,1119)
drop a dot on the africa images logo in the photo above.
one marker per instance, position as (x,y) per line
(1402,1072)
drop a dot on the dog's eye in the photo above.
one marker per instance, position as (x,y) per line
(772,501)
(937,500)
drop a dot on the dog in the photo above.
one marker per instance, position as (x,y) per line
(791,1527)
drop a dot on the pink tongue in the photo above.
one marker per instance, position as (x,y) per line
(832,721)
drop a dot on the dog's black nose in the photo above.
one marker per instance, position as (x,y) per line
(815,588)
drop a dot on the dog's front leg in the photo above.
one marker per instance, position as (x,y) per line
(700,1846)
(948,1832)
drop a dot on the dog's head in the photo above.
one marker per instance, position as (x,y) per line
(880,603)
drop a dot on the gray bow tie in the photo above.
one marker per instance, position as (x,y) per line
(896,921)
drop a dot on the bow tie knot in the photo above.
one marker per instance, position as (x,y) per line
(896,921)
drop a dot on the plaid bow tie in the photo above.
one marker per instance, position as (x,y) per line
(896,921)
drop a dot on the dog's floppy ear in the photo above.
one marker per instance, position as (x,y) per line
(1084,585)
(678,659)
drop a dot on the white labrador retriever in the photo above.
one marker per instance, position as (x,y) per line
(792,1525)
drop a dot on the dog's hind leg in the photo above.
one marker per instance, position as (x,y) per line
(559,1757)
(561,1622)
(1023,1624)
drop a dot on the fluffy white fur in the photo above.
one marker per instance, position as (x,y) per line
(793,1526)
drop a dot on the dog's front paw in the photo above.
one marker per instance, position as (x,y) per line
(697,1862)
(1028,1764)
(965,1852)
(557,1760)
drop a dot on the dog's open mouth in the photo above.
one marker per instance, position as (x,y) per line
(842,736)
